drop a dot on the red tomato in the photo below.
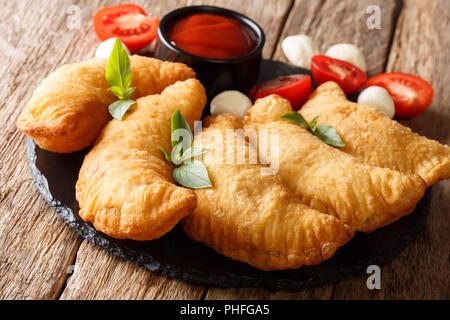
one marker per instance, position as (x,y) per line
(412,95)
(349,77)
(129,23)
(295,88)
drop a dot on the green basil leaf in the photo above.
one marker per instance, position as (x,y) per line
(118,71)
(312,124)
(193,152)
(177,153)
(130,92)
(180,122)
(127,76)
(166,154)
(118,108)
(192,175)
(117,91)
(296,118)
(329,135)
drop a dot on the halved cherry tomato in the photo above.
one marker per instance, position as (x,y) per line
(411,94)
(295,88)
(349,77)
(129,23)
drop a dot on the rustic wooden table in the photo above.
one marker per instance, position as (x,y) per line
(38,251)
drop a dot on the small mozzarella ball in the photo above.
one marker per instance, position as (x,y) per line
(299,50)
(106,47)
(379,98)
(348,53)
(232,101)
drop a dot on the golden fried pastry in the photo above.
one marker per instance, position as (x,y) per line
(251,216)
(69,108)
(374,138)
(362,196)
(125,185)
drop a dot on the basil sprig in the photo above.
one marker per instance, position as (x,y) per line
(119,76)
(192,175)
(188,172)
(324,132)
(180,122)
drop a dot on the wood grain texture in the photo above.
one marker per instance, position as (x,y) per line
(35,245)
(36,248)
(315,293)
(421,46)
(101,275)
(329,22)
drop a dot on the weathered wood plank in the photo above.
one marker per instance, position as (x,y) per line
(35,246)
(113,284)
(421,45)
(120,279)
(317,293)
(328,22)
(335,21)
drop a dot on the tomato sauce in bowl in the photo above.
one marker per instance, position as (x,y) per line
(223,46)
(212,36)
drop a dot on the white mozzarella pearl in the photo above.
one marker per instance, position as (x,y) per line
(299,50)
(379,98)
(348,53)
(106,47)
(231,101)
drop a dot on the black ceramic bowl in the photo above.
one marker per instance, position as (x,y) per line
(216,75)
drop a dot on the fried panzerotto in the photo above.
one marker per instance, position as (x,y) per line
(253,217)
(362,196)
(68,109)
(125,185)
(374,138)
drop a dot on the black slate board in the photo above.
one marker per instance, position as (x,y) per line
(175,255)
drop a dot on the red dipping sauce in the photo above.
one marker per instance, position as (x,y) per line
(212,36)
